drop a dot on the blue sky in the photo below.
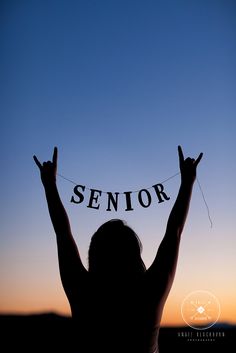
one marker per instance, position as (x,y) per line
(117,86)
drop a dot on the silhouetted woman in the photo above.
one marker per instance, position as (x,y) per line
(117,303)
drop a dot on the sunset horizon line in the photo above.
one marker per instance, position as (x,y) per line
(54,313)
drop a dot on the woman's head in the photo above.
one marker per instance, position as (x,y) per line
(115,249)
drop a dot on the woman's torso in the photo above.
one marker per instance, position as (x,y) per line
(116,316)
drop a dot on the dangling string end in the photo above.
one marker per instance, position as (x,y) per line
(208,211)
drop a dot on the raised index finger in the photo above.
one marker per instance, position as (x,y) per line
(54,158)
(181,155)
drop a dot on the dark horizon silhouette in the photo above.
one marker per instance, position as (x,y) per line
(50,332)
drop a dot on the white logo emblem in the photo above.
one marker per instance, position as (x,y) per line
(200,309)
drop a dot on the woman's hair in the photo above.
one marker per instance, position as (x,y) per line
(115,249)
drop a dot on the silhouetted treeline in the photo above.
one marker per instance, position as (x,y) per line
(53,333)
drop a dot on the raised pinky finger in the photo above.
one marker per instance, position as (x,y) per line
(37,162)
(198,158)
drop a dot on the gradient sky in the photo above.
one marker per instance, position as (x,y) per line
(117,86)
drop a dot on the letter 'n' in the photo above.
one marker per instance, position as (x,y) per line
(113,200)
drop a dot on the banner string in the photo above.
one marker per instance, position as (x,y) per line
(164,181)
(134,191)
(71,181)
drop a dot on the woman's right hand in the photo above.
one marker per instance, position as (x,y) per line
(48,170)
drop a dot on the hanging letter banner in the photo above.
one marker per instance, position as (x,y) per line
(144,197)
(116,201)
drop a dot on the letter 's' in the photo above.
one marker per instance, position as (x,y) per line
(78,193)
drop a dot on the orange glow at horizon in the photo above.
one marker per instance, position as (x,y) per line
(59,304)
(172,311)
(34,286)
